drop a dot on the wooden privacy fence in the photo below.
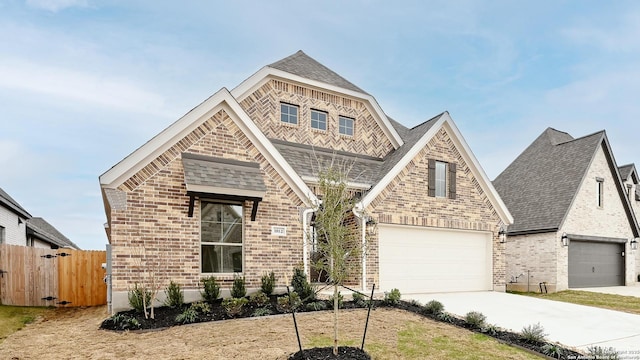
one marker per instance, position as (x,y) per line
(45,277)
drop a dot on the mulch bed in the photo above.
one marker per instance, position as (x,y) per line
(166,317)
(326,353)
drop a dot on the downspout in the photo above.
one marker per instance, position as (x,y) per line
(305,240)
(359,213)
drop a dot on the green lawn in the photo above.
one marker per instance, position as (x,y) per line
(628,304)
(14,318)
(431,340)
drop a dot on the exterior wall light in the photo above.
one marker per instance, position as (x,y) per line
(565,239)
(634,244)
(502,235)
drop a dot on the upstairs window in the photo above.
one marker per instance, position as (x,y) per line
(600,191)
(318,120)
(289,113)
(442,179)
(345,125)
(2,235)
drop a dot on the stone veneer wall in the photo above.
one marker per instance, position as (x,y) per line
(406,202)
(155,233)
(535,256)
(263,107)
(586,218)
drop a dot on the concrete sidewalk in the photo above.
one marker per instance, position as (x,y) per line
(572,325)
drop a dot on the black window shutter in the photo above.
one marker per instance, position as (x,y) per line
(432,178)
(452,181)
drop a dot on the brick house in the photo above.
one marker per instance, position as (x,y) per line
(574,225)
(18,227)
(229,188)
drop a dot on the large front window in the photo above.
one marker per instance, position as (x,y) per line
(221,237)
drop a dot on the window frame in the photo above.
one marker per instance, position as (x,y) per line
(221,244)
(600,192)
(3,234)
(319,112)
(341,126)
(288,115)
(441,183)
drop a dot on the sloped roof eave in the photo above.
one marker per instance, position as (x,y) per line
(463,147)
(222,99)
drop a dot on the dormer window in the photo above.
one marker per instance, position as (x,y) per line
(289,113)
(345,125)
(318,120)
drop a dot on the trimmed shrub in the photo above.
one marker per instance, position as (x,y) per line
(175,296)
(136,295)
(211,291)
(238,290)
(554,351)
(490,329)
(259,299)
(392,297)
(433,307)
(201,307)
(316,305)
(233,306)
(598,352)
(288,302)
(445,317)
(301,286)
(533,333)
(475,319)
(263,311)
(268,283)
(188,316)
(358,300)
(124,322)
(340,300)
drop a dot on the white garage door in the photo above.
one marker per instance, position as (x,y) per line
(425,260)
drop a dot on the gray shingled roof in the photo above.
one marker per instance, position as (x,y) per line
(625,171)
(302,65)
(222,173)
(307,160)
(40,228)
(13,205)
(539,185)
(117,198)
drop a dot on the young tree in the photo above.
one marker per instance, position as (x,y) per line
(337,230)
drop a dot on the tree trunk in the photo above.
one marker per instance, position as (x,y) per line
(335,319)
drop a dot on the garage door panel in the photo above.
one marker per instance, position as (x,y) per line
(593,264)
(419,260)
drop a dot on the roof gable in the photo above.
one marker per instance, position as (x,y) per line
(416,139)
(540,185)
(222,100)
(303,65)
(302,69)
(628,172)
(12,205)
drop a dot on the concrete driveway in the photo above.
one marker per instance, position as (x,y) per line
(572,325)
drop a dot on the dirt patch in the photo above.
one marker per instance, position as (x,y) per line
(75,334)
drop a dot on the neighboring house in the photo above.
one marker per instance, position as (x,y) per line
(229,189)
(561,187)
(18,227)
(630,179)
(13,221)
